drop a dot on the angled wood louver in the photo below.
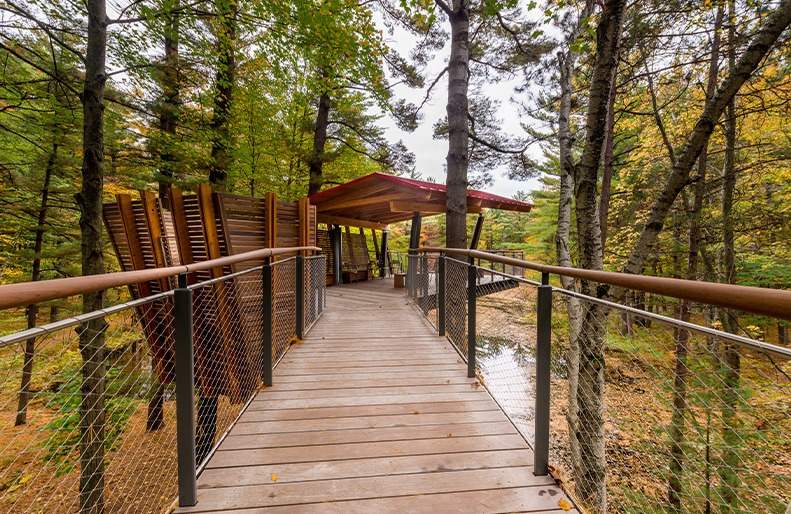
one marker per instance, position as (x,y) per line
(202,226)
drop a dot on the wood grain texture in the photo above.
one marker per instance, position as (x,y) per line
(361,423)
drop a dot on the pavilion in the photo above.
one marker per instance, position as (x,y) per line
(377,200)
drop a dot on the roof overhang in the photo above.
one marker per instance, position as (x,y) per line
(376,200)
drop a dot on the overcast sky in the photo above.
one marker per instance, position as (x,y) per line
(430,153)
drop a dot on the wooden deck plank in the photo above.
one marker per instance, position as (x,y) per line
(367,410)
(368,435)
(511,500)
(322,453)
(356,422)
(379,466)
(272,493)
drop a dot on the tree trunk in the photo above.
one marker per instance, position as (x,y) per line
(563,234)
(677,422)
(730,364)
(169,113)
(591,474)
(607,169)
(35,276)
(458,128)
(316,161)
(89,199)
(225,78)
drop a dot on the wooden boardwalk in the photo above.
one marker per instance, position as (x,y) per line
(373,413)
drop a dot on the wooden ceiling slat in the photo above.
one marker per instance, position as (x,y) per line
(351,222)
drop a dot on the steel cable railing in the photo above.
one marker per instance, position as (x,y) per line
(229,359)
(675,416)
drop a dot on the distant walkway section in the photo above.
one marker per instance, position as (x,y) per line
(373,413)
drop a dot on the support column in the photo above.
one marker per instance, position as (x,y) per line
(267,304)
(383,262)
(337,255)
(543,357)
(414,242)
(472,299)
(414,234)
(476,234)
(185,394)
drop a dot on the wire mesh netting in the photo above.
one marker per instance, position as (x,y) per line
(285,298)
(315,286)
(422,284)
(45,381)
(456,303)
(228,333)
(506,344)
(688,421)
(40,435)
(670,419)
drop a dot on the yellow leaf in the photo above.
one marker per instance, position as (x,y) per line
(274,478)
(563,504)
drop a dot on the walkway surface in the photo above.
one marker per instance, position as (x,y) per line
(373,412)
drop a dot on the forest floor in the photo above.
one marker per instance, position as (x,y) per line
(141,471)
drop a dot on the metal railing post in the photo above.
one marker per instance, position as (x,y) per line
(471,301)
(441,296)
(185,393)
(266,323)
(300,297)
(543,356)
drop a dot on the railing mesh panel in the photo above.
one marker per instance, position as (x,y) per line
(506,345)
(284,301)
(422,284)
(688,422)
(39,459)
(315,288)
(456,304)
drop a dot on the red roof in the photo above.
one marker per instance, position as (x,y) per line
(380,199)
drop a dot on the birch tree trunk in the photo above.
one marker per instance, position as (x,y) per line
(563,234)
(591,472)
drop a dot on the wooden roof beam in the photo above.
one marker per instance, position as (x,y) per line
(351,222)
(373,200)
(341,197)
(428,208)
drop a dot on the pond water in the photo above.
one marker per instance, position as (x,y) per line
(508,369)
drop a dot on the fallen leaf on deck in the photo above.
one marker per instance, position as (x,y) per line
(274,477)
(475,385)
(563,504)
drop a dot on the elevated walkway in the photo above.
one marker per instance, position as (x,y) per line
(373,412)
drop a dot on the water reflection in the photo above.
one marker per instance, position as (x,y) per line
(508,371)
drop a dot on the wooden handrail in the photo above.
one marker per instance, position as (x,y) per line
(27,293)
(757,300)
